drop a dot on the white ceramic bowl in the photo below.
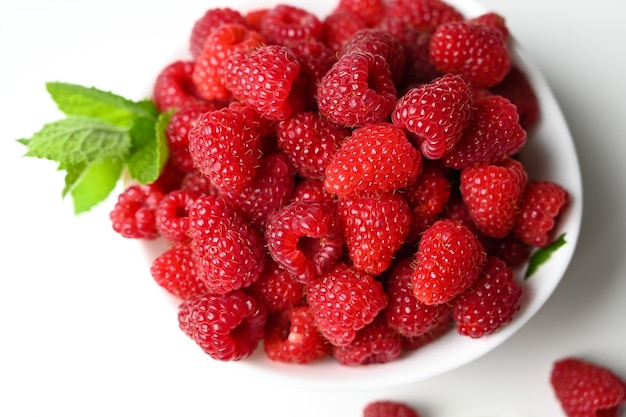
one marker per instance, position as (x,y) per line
(548,154)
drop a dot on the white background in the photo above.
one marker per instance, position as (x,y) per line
(85,332)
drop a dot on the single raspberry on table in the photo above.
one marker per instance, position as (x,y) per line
(436,113)
(175,271)
(388,408)
(283,24)
(374,343)
(374,159)
(516,87)
(277,288)
(227,327)
(339,26)
(174,87)
(358,90)
(369,11)
(133,215)
(343,301)
(374,228)
(172,215)
(422,15)
(211,20)
(448,261)
(305,238)
(586,389)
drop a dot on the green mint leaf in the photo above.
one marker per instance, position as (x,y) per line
(542,255)
(23,141)
(76,100)
(149,149)
(79,139)
(91,183)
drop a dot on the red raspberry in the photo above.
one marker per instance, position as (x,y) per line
(277,288)
(386,408)
(174,88)
(315,60)
(312,190)
(490,303)
(291,336)
(437,113)
(264,78)
(172,215)
(440,328)
(419,68)
(254,17)
(374,228)
(374,343)
(404,313)
(270,189)
(133,215)
(492,194)
(225,146)
(175,271)
(369,11)
(422,15)
(586,389)
(477,52)
(310,141)
(343,301)
(510,249)
(169,179)
(541,205)
(493,134)
(304,238)
(227,327)
(448,261)
(338,27)
(493,20)
(284,24)
(197,183)
(517,89)
(211,20)
(358,90)
(374,159)
(208,73)
(230,255)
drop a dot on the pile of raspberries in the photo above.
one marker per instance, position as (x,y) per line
(345,187)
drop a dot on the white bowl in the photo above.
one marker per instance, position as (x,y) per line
(548,154)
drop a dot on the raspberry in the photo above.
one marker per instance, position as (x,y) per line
(304,238)
(493,134)
(208,73)
(517,89)
(133,215)
(358,90)
(264,78)
(448,261)
(230,255)
(172,215)
(422,15)
(277,288)
(315,60)
(227,327)
(477,52)
(291,336)
(339,26)
(312,190)
(374,228)
(437,113)
(542,203)
(310,141)
(254,17)
(586,389)
(419,68)
(404,313)
(374,159)
(284,24)
(493,20)
(369,11)
(211,20)
(440,328)
(492,194)
(199,184)
(175,271)
(510,249)
(387,408)
(225,146)
(490,303)
(343,301)
(375,343)
(174,88)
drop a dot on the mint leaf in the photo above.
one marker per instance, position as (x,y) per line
(79,139)
(91,183)
(149,149)
(76,100)
(542,255)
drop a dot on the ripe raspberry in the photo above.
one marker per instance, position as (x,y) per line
(174,88)
(374,343)
(490,303)
(419,68)
(492,194)
(442,327)
(197,183)
(227,327)
(448,261)
(517,89)
(586,389)
(291,336)
(172,215)
(315,60)
(277,288)
(265,78)
(374,159)
(510,249)
(541,205)
(343,301)
(211,20)
(229,253)
(254,17)
(310,141)
(312,190)
(437,113)
(493,134)
(358,90)
(369,11)
(225,146)
(422,15)
(133,215)
(374,228)
(476,52)
(386,408)
(404,313)
(304,238)
(284,24)
(339,26)
(208,73)
(493,20)
(175,271)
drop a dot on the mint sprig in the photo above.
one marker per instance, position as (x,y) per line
(541,256)
(102,135)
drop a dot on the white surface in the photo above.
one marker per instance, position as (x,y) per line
(84,331)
